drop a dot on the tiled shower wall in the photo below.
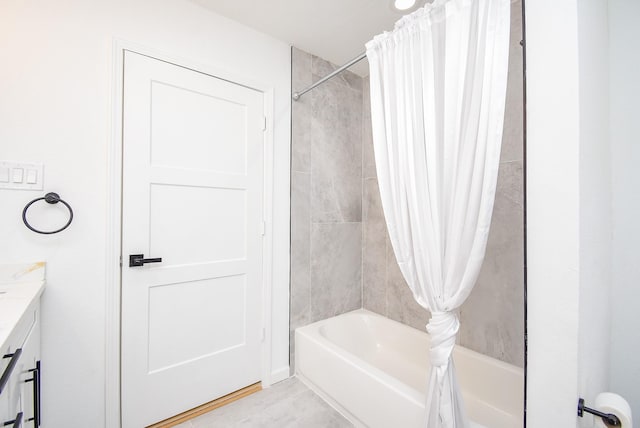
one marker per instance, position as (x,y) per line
(341,255)
(492,318)
(326,194)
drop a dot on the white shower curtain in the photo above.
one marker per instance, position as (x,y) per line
(438,88)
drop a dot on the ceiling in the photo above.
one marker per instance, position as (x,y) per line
(335,30)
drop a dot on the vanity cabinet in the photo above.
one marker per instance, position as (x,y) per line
(4,404)
(20,372)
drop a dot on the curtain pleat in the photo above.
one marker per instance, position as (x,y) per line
(438,89)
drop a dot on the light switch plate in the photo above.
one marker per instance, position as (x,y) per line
(4,174)
(21,175)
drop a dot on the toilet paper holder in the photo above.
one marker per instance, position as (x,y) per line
(609,419)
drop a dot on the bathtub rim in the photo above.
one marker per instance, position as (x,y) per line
(458,349)
(356,362)
(313,333)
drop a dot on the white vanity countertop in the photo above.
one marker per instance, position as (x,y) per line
(20,286)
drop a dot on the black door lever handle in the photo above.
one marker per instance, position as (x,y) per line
(139,260)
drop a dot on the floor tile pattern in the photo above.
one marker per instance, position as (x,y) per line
(287,404)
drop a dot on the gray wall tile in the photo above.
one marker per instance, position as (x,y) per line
(321,68)
(301,136)
(326,187)
(300,69)
(337,218)
(300,249)
(336,270)
(374,266)
(513,130)
(368,157)
(492,318)
(336,153)
(300,112)
(401,306)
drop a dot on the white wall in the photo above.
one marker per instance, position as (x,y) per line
(624,35)
(568,207)
(552,211)
(56,77)
(595,202)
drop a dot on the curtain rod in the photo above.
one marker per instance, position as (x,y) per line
(296,95)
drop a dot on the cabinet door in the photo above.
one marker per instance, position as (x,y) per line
(18,397)
(12,389)
(28,378)
(4,406)
(4,396)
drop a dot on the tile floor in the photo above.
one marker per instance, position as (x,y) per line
(287,404)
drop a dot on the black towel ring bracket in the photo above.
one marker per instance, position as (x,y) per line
(50,198)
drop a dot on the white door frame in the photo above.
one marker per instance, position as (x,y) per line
(114,210)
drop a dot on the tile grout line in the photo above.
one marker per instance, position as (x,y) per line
(336,222)
(511,161)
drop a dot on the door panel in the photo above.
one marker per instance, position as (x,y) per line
(220,146)
(213,224)
(211,302)
(192,195)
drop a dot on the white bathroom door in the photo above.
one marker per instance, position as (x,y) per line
(192,196)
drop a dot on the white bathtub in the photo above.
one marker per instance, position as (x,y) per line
(374,371)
